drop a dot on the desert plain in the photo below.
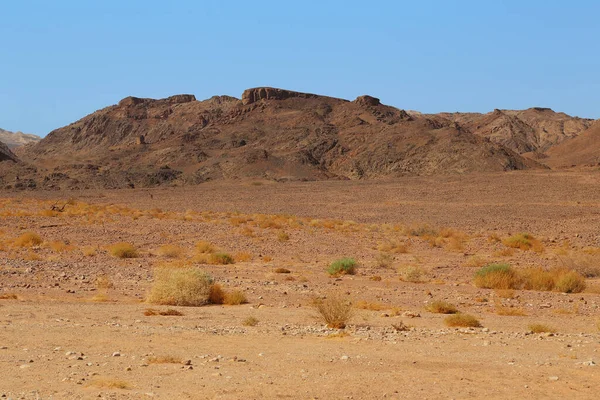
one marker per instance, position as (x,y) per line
(76,321)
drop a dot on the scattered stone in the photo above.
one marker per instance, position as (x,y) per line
(344,358)
(553,378)
(411,314)
(116,354)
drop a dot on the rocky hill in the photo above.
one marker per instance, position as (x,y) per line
(583,150)
(268,133)
(534,130)
(16,139)
(6,154)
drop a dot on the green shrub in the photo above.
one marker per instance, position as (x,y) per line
(497,276)
(343,266)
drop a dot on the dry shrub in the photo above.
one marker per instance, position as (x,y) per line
(267,258)
(475,262)
(462,320)
(110,383)
(250,321)
(60,247)
(366,305)
(401,327)
(587,264)
(103,282)
(282,271)
(506,252)
(89,251)
(343,266)
(494,238)
(411,273)
(186,286)
(235,298)
(101,297)
(282,236)
(393,247)
(384,260)
(242,256)
(216,294)
(441,307)
(8,296)
(541,328)
(335,311)
(557,279)
(170,251)
(123,250)
(524,241)
(497,276)
(376,278)
(505,293)
(204,247)
(32,256)
(169,312)
(220,259)
(422,231)
(28,239)
(164,360)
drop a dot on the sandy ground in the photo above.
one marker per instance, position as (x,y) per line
(64,336)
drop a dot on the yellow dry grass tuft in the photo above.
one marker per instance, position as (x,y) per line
(250,321)
(170,251)
(186,286)
(123,250)
(441,307)
(524,241)
(242,256)
(462,320)
(541,328)
(235,298)
(28,239)
(371,306)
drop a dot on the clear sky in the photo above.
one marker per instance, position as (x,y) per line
(63,59)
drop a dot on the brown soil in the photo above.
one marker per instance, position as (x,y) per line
(67,333)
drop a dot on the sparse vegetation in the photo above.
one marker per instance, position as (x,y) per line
(28,239)
(497,276)
(216,294)
(123,250)
(221,259)
(170,251)
(503,276)
(250,321)
(8,296)
(187,286)
(524,241)
(235,298)
(204,247)
(367,305)
(441,307)
(462,320)
(343,266)
(384,260)
(335,310)
(393,247)
(411,273)
(242,256)
(170,312)
(541,328)
(283,236)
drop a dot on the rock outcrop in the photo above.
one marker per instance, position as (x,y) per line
(266,93)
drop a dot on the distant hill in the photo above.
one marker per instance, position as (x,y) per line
(16,139)
(583,150)
(269,133)
(533,130)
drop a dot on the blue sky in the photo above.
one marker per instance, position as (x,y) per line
(64,59)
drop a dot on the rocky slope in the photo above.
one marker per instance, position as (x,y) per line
(268,133)
(534,130)
(583,150)
(6,154)
(16,139)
